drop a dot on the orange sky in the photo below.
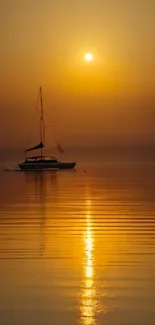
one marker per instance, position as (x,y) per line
(108,101)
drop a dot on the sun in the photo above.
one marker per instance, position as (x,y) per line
(88,57)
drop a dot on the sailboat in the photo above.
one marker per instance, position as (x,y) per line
(41,162)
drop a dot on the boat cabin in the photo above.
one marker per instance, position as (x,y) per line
(41,159)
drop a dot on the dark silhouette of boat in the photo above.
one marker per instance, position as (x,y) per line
(42,162)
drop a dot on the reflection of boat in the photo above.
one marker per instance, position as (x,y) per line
(42,162)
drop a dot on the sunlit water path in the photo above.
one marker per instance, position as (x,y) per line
(78,248)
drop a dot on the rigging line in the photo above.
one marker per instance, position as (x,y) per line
(55,138)
(42,115)
(30,130)
(58,144)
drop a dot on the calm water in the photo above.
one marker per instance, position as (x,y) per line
(79,248)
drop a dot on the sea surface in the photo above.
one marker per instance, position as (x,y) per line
(78,247)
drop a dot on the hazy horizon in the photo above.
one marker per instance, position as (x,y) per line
(90,146)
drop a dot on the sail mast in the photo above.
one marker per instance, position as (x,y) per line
(42,125)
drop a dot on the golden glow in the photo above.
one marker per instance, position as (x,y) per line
(89,248)
(88,57)
(89,67)
(88,297)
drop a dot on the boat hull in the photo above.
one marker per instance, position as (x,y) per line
(45,166)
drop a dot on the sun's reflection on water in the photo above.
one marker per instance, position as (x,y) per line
(88,296)
(89,252)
